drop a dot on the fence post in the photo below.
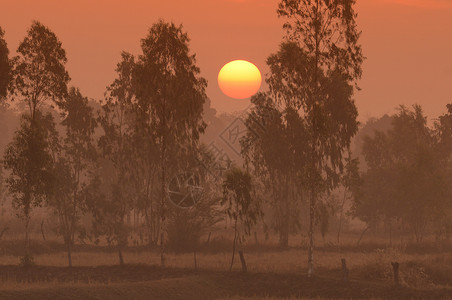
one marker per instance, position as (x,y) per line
(395,268)
(344,270)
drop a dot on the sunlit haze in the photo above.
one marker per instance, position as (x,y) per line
(407,43)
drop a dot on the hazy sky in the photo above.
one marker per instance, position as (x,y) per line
(408,43)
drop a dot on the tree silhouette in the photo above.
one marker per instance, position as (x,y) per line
(169,87)
(73,164)
(39,72)
(5,66)
(272,147)
(116,144)
(406,179)
(29,161)
(38,76)
(313,72)
(240,204)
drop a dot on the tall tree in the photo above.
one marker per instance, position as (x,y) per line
(272,147)
(73,164)
(5,66)
(350,180)
(170,88)
(443,134)
(29,162)
(116,144)
(314,72)
(406,178)
(39,76)
(240,204)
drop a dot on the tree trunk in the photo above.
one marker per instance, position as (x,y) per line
(314,156)
(284,236)
(233,244)
(311,235)
(121,259)
(285,222)
(340,218)
(242,260)
(195,261)
(27,236)
(390,232)
(162,216)
(69,253)
(362,234)
(3,232)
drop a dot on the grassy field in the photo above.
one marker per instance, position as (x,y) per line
(425,272)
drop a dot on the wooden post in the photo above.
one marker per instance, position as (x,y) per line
(208,239)
(3,232)
(242,259)
(42,230)
(395,268)
(344,270)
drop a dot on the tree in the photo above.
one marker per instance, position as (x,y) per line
(272,149)
(119,125)
(350,181)
(5,67)
(443,135)
(168,86)
(38,75)
(39,72)
(406,178)
(240,204)
(73,164)
(29,161)
(313,72)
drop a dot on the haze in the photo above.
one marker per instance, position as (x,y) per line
(407,43)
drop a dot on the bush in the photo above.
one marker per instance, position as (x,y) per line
(184,232)
(27,261)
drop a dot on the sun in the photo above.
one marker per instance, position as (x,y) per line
(239,79)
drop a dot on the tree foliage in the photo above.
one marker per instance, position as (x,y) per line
(313,73)
(5,66)
(39,72)
(121,174)
(241,207)
(171,92)
(28,160)
(406,179)
(273,148)
(73,165)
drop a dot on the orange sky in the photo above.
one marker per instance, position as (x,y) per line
(408,43)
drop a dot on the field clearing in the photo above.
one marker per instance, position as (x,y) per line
(291,260)
(273,273)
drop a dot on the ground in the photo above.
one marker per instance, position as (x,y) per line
(151,282)
(273,273)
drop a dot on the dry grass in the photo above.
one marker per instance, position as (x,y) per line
(371,262)
(292,260)
(290,298)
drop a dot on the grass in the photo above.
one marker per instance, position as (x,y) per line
(288,298)
(424,268)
